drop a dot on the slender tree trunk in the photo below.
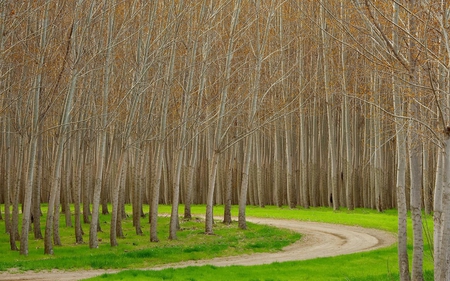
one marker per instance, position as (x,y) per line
(8,176)
(259,181)
(174,221)
(438,215)
(347,165)
(277,169)
(195,145)
(228,188)
(260,52)
(67,185)
(290,190)
(87,184)
(442,270)
(7,117)
(162,134)
(26,210)
(377,170)
(53,205)
(77,191)
(334,197)
(158,170)
(101,156)
(14,231)
(118,198)
(401,189)
(137,195)
(441,202)
(36,213)
(303,149)
(155,193)
(56,175)
(244,183)
(415,156)
(221,114)
(194,154)
(426,181)
(28,193)
(403,261)
(315,186)
(115,214)
(210,195)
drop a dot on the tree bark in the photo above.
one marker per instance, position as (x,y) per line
(334,196)
(220,118)
(346,133)
(403,260)
(101,156)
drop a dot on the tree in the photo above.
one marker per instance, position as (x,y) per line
(409,60)
(26,213)
(6,125)
(260,55)
(403,261)
(108,12)
(52,222)
(173,19)
(218,135)
(182,143)
(333,195)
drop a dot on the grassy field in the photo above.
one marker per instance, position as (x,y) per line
(378,265)
(135,252)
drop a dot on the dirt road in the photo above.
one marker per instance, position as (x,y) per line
(318,240)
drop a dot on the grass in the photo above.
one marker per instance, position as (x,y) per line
(379,265)
(136,251)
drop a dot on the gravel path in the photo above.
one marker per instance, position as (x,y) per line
(318,240)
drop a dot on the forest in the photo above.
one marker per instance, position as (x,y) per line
(336,103)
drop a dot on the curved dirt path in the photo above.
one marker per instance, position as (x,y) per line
(318,240)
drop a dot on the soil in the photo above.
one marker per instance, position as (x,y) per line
(318,240)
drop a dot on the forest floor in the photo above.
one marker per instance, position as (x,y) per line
(318,240)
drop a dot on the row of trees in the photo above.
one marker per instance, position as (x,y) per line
(339,103)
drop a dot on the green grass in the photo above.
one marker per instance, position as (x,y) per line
(355,267)
(136,251)
(378,265)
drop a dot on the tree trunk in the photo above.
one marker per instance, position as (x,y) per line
(244,183)
(277,169)
(101,156)
(347,165)
(87,184)
(334,196)
(36,213)
(228,187)
(77,190)
(8,176)
(174,221)
(221,114)
(67,185)
(259,182)
(115,215)
(403,261)
(158,170)
(53,204)
(14,231)
(137,190)
(415,155)
(440,267)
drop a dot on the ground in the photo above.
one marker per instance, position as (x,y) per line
(318,240)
